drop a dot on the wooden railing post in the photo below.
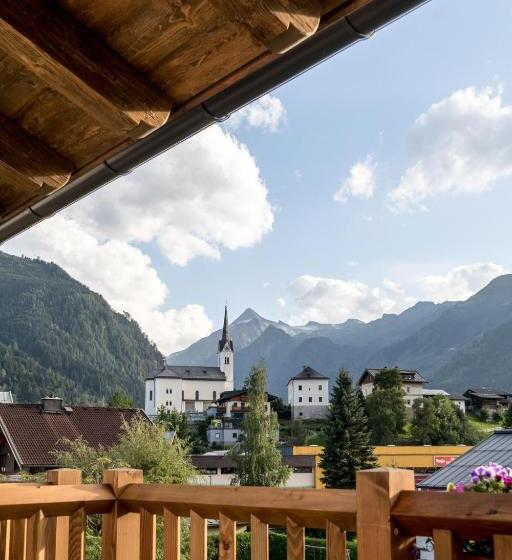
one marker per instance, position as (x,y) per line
(121,529)
(65,535)
(376,492)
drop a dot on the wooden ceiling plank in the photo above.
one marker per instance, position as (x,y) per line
(277,24)
(56,48)
(30,160)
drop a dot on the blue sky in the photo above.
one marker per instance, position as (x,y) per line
(323,259)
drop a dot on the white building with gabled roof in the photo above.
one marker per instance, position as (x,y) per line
(308,395)
(192,389)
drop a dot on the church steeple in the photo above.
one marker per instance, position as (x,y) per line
(225,342)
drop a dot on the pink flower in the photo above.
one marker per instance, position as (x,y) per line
(460,487)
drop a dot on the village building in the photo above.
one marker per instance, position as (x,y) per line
(31,433)
(192,389)
(308,394)
(488,399)
(412,384)
(458,400)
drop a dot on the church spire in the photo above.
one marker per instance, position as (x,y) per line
(226,339)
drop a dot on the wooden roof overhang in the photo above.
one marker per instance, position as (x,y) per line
(91,88)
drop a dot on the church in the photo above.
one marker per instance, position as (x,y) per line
(192,389)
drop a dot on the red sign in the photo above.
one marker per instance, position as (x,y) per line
(443,460)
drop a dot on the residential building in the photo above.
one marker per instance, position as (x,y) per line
(31,433)
(308,394)
(412,384)
(192,389)
(458,400)
(485,398)
(6,397)
(228,412)
(219,469)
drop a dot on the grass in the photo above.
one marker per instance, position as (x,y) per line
(484,426)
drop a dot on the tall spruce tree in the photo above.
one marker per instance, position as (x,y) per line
(257,457)
(347,447)
(386,407)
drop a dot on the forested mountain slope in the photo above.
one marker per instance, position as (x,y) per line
(57,336)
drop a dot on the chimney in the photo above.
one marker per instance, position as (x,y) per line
(52,405)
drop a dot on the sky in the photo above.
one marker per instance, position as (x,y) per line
(375,180)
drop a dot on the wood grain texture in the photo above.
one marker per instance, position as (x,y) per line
(18,546)
(147,535)
(227,538)
(308,507)
(76,541)
(72,61)
(378,538)
(259,539)
(36,537)
(295,540)
(5,539)
(336,542)
(446,546)
(198,535)
(502,547)
(121,529)
(172,535)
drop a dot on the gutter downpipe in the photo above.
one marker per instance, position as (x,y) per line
(338,36)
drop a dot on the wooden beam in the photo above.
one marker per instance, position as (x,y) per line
(29,162)
(72,61)
(277,24)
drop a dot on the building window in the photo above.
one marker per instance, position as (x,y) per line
(300,387)
(319,387)
(300,413)
(214,395)
(182,395)
(235,435)
(217,435)
(302,470)
(408,402)
(310,399)
(408,389)
(227,470)
(150,395)
(208,470)
(197,395)
(170,391)
(226,360)
(166,403)
(319,399)
(300,399)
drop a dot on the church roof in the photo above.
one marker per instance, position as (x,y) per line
(309,373)
(226,338)
(210,373)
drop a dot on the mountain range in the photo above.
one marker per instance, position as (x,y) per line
(455,345)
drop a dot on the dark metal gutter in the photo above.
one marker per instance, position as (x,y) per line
(321,46)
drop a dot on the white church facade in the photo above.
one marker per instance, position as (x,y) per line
(192,389)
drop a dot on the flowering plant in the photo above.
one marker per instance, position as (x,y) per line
(491,478)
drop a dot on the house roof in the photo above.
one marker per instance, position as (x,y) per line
(89,94)
(443,393)
(486,393)
(227,395)
(32,434)
(409,375)
(209,373)
(496,448)
(308,373)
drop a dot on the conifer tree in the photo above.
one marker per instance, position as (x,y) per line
(507,419)
(257,457)
(347,448)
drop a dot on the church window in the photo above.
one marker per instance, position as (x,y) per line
(214,395)
(197,395)
(226,360)
(150,395)
(170,391)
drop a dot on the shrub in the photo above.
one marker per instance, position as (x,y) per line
(484,415)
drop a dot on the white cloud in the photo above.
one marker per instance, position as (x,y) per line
(121,273)
(460,282)
(332,300)
(281,302)
(203,195)
(360,182)
(463,144)
(267,113)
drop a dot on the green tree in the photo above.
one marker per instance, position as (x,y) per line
(119,399)
(347,448)
(507,418)
(298,432)
(386,407)
(257,457)
(174,421)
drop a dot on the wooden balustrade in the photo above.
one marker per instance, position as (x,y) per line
(47,521)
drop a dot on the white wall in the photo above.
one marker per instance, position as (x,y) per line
(308,393)
(296,480)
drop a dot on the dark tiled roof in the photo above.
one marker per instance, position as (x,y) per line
(33,435)
(405,373)
(309,373)
(211,373)
(226,395)
(486,393)
(496,448)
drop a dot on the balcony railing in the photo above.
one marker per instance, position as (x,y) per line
(47,521)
